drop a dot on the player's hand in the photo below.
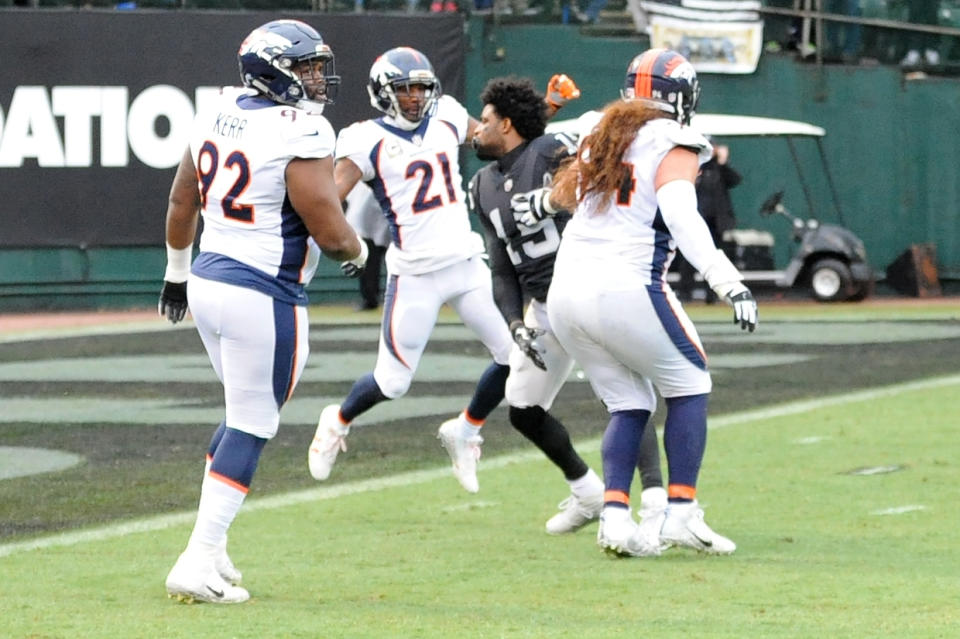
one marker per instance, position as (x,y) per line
(561,89)
(744,307)
(526,339)
(354,267)
(173,301)
(350,269)
(531,207)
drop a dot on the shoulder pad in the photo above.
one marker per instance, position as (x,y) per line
(685,136)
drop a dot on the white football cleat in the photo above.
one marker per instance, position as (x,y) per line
(225,567)
(684,526)
(653,511)
(464,452)
(195,578)
(575,513)
(328,441)
(620,536)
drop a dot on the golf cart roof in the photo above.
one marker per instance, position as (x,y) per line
(720,125)
(743,125)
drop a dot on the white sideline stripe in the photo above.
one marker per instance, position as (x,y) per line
(162,522)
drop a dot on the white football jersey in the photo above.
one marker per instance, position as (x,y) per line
(627,238)
(415,176)
(241,144)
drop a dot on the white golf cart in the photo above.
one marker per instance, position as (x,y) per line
(830,261)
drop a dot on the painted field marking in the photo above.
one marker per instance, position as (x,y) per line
(162,522)
(899,510)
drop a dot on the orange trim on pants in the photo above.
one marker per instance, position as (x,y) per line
(617,496)
(473,421)
(229,482)
(681,491)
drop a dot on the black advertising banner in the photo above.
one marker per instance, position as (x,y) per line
(95,106)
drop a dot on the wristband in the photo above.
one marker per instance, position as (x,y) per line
(178,264)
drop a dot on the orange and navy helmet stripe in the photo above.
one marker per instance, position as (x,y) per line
(654,62)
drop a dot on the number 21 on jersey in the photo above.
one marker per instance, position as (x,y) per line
(425,198)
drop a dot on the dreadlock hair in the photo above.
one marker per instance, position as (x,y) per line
(598,168)
(515,98)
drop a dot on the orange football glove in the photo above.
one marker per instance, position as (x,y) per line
(561,89)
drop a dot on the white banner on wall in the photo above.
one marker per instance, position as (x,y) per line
(717,36)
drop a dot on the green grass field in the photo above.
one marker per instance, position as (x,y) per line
(830,462)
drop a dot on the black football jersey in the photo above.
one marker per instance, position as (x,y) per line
(522,254)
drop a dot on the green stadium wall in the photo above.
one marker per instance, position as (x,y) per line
(890,144)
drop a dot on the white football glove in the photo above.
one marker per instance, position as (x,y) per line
(744,307)
(531,207)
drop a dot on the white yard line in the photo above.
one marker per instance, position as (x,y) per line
(321,493)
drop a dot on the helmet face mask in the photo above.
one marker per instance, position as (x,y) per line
(403,86)
(664,80)
(288,62)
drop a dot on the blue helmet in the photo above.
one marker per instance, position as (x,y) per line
(664,80)
(269,58)
(397,68)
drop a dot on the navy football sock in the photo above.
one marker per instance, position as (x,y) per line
(489,391)
(685,439)
(364,395)
(620,450)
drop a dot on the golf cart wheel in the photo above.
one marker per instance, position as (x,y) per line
(830,280)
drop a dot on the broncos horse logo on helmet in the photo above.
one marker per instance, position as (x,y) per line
(395,71)
(271,56)
(664,80)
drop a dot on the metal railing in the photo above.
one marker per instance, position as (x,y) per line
(812,15)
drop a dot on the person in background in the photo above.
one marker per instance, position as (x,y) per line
(713,186)
(524,158)
(922,47)
(844,38)
(259,168)
(610,306)
(364,215)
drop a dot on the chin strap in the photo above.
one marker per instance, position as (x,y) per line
(401,122)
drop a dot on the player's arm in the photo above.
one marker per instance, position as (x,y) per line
(506,288)
(183,205)
(508,296)
(315,197)
(183,210)
(677,200)
(346,174)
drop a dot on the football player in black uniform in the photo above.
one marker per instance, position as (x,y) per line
(511,133)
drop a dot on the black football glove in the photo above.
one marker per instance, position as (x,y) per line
(526,339)
(744,308)
(350,269)
(173,301)
(354,267)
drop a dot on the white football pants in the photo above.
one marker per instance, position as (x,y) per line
(410,309)
(258,347)
(626,338)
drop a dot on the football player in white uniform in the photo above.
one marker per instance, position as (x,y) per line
(410,158)
(259,168)
(610,304)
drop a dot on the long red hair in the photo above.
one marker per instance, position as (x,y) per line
(598,167)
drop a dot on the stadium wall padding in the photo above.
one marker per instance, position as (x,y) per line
(79,236)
